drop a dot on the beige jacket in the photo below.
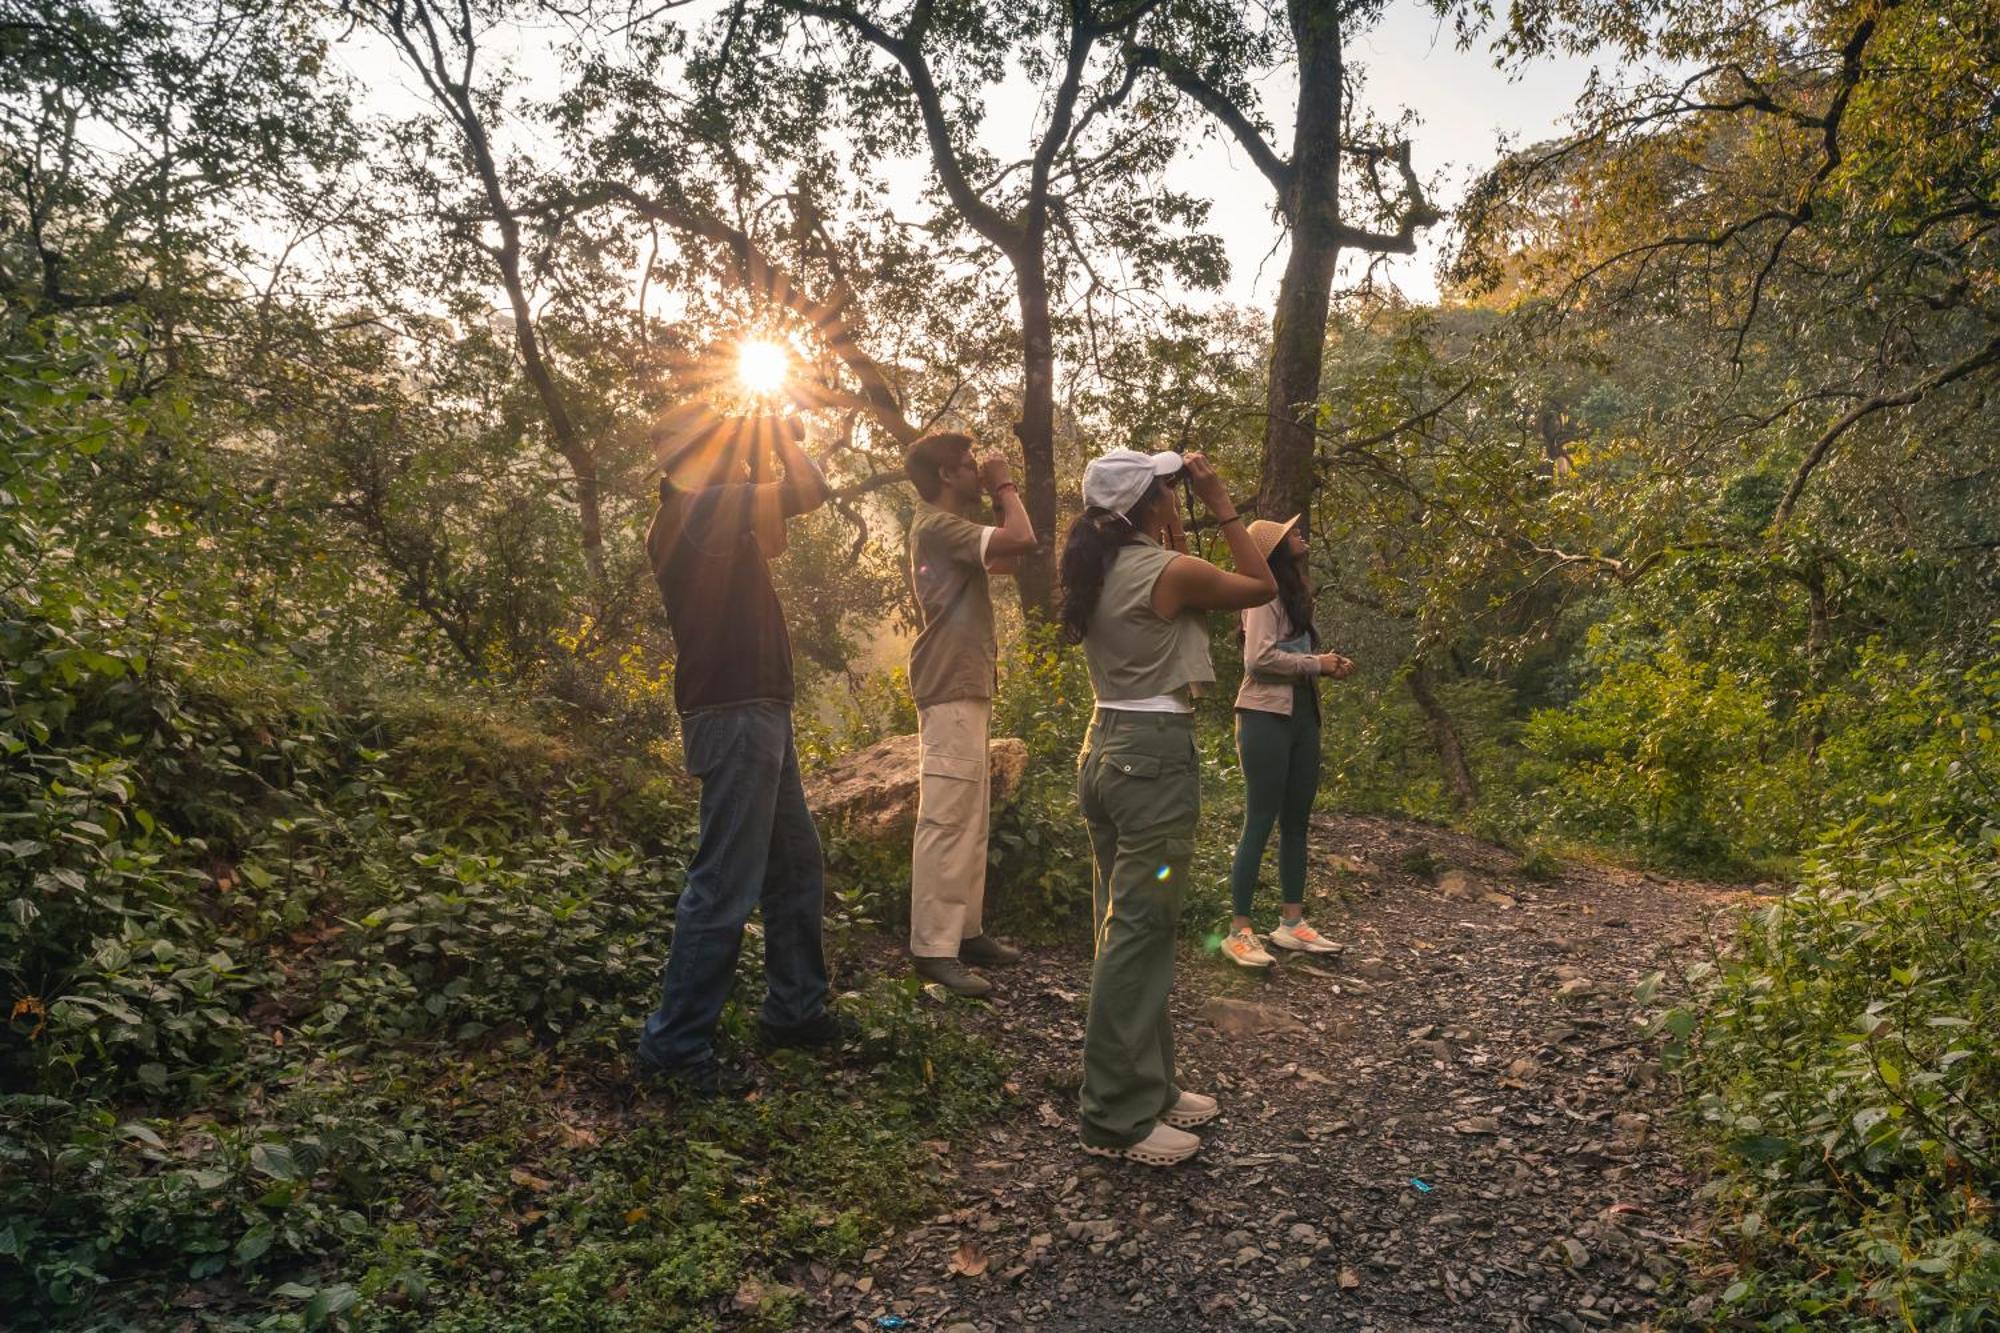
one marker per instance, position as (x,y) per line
(1269,671)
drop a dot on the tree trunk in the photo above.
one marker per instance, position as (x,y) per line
(1037,430)
(568,440)
(1298,331)
(1444,736)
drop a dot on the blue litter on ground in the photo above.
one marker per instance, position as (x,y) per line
(1421,1187)
(890,1321)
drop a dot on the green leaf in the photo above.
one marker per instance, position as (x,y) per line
(274,1160)
(133,1129)
(255,1242)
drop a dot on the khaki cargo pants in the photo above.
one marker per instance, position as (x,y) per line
(1140,789)
(948,856)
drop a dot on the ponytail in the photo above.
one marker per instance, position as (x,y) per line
(1092,543)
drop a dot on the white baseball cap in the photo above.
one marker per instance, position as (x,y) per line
(1115,479)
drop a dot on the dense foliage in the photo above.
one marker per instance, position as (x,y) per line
(340,815)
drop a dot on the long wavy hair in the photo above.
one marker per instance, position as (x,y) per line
(1293,595)
(1092,543)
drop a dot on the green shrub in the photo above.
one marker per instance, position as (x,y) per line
(1680,759)
(1845,1066)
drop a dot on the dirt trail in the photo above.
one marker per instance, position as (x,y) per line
(1458,1131)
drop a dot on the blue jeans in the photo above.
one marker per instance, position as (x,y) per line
(758,846)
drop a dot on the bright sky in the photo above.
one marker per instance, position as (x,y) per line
(1463,103)
(1412,61)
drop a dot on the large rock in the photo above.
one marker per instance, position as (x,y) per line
(872,793)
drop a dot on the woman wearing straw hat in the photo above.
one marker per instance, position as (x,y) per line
(1136,603)
(1277,743)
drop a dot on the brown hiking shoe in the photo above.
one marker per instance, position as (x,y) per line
(985,951)
(954,976)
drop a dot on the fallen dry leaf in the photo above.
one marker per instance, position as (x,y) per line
(968,1260)
(576,1136)
(528,1180)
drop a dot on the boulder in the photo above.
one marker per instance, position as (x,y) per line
(872,793)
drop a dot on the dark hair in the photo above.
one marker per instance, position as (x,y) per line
(723,443)
(1293,596)
(1092,543)
(926,459)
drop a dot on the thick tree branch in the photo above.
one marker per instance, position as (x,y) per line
(1005,233)
(1219,104)
(1418,213)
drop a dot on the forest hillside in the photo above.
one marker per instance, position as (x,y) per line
(344,806)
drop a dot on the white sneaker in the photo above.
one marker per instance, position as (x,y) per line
(1192,1109)
(1298,935)
(1242,949)
(1163,1147)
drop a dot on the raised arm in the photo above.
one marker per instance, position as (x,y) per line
(1016,534)
(804,488)
(1191,583)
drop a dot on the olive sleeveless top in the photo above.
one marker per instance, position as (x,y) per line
(1134,654)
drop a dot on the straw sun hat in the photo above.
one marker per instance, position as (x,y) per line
(1265,534)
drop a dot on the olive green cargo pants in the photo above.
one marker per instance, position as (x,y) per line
(1140,790)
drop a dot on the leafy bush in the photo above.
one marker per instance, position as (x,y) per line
(1039,854)
(1677,758)
(1845,1066)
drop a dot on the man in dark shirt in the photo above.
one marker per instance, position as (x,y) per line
(710,540)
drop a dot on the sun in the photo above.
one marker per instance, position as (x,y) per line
(761,366)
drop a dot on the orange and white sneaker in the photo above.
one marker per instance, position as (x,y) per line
(1241,948)
(1302,937)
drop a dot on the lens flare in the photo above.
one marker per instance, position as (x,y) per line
(761,367)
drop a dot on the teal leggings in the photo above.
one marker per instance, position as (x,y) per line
(1280,758)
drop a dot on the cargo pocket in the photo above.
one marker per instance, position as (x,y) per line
(1134,765)
(1155,803)
(947,787)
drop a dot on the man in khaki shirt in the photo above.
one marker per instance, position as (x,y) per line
(952,668)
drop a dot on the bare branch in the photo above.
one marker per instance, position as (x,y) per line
(1418,212)
(1007,234)
(1985,356)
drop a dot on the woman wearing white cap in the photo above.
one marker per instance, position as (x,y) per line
(1277,743)
(1135,601)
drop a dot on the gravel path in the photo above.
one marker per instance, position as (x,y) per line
(1452,1126)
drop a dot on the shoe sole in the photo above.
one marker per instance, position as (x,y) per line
(1181,1120)
(1250,963)
(986,994)
(1277,943)
(1143,1156)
